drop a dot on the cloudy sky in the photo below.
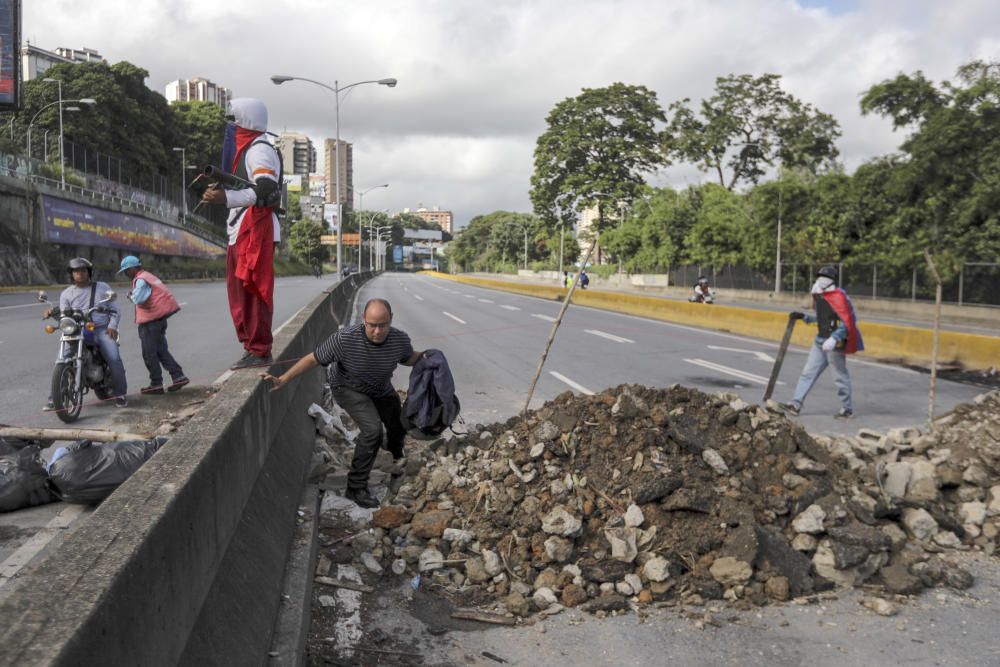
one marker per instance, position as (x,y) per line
(478,77)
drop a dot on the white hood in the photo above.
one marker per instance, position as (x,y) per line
(823,284)
(250,113)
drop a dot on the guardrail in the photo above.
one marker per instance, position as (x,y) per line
(184,563)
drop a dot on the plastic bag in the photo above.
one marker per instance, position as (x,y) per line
(86,472)
(23,479)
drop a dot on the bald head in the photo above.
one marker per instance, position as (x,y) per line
(378,317)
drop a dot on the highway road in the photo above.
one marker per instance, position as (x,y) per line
(493,341)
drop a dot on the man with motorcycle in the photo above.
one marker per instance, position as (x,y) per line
(703,292)
(81,295)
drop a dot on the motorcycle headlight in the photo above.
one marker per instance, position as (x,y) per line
(68,326)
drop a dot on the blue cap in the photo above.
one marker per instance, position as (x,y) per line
(129,262)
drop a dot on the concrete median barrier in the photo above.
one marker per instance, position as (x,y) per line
(183,564)
(911,344)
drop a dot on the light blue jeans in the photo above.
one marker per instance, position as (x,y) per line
(815,365)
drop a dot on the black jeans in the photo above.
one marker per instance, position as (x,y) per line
(370,414)
(153,337)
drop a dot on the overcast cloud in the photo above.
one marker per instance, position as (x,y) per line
(478,77)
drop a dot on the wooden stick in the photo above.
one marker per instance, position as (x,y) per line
(343,583)
(96,435)
(555,325)
(482,617)
(932,394)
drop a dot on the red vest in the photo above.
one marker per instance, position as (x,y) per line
(160,303)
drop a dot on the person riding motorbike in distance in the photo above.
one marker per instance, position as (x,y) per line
(703,292)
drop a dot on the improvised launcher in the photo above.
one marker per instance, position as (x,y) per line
(215,175)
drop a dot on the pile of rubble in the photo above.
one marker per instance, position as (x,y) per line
(639,495)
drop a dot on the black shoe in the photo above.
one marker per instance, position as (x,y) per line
(362,497)
(179,384)
(121,402)
(791,408)
(844,414)
(49,406)
(251,361)
(152,389)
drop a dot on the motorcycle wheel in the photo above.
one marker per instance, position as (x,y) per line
(66,395)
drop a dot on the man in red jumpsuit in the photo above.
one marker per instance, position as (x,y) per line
(253,231)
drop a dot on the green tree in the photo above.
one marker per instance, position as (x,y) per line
(200,129)
(304,241)
(749,124)
(598,148)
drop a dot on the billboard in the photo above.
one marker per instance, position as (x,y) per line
(78,224)
(10,55)
(293,182)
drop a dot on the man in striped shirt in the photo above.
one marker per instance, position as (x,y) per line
(363,358)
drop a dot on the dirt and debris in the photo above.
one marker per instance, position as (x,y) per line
(672,497)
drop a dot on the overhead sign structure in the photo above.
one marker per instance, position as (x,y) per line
(10,55)
(422,234)
(331,239)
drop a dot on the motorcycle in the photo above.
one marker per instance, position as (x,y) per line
(703,298)
(81,366)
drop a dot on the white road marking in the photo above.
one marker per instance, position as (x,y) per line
(23,305)
(23,555)
(418,297)
(617,339)
(459,320)
(183,303)
(735,372)
(228,374)
(544,317)
(484,300)
(579,387)
(510,307)
(763,356)
(468,296)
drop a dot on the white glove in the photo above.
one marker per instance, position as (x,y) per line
(829,344)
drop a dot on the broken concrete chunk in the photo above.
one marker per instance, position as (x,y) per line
(810,521)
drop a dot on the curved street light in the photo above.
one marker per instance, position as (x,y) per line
(361,195)
(60,102)
(336,89)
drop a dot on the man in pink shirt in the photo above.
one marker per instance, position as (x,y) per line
(153,305)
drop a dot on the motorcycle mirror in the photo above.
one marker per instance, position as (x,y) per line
(42,297)
(109,296)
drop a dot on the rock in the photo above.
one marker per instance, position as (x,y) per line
(972,513)
(634,582)
(558,549)
(634,516)
(949,475)
(715,461)
(491,562)
(439,481)
(810,521)
(824,562)
(645,596)
(858,534)
(545,579)
(430,559)
(786,561)
(623,543)
(924,481)
(390,516)
(517,604)
(573,595)
(777,588)
(658,488)
(956,577)
(897,579)
(847,555)
(976,475)
(920,523)
(896,535)
(804,542)
(880,606)
(544,597)
(731,572)
(947,539)
(398,566)
(475,571)
(607,602)
(430,523)
(560,522)
(370,563)
(656,569)
(457,537)
(808,465)
(793,481)
(624,588)
(545,432)
(326,601)
(993,506)
(537,450)
(897,478)
(605,570)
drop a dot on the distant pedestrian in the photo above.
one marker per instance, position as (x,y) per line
(584,280)
(566,279)
(154,304)
(838,337)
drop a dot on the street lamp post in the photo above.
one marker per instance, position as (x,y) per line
(62,162)
(361,195)
(60,102)
(373,231)
(380,258)
(184,200)
(279,79)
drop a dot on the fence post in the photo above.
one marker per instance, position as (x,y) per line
(913,293)
(795,275)
(874,281)
(961,283)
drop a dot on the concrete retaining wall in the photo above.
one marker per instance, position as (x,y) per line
(183,564)
(881,340)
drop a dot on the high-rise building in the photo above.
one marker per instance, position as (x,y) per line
(346,173)
(190,90)
(297,153)
(34,61)
(443,219)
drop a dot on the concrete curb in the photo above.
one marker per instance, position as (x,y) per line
(881,340)
(184,563)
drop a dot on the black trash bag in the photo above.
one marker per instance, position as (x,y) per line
(23,479)
(86,473)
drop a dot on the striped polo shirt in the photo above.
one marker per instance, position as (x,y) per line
(360,364)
